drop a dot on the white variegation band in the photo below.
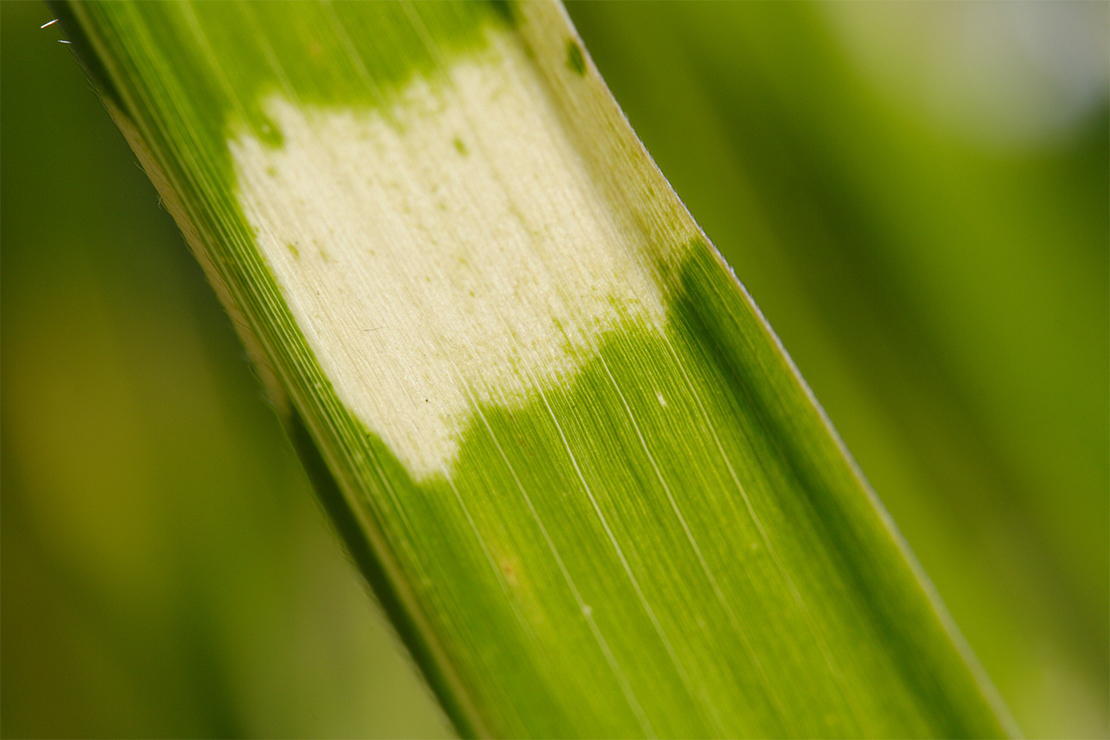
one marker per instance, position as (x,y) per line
(446,250)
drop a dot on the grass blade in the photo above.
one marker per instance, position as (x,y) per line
(557,436)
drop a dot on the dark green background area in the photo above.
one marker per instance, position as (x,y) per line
(166,573)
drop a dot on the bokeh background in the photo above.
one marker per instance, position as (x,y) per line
(916,194)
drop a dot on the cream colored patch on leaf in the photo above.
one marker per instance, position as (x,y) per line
(446,251)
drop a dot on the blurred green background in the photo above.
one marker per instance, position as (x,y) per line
(917,196)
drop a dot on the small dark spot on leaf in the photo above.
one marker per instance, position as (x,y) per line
(505,9)
(268,132)
(293,248)
(460,146)
(575,59)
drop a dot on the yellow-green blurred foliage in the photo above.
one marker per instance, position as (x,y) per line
(915,194)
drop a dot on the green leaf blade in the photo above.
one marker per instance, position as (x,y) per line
(651,529)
